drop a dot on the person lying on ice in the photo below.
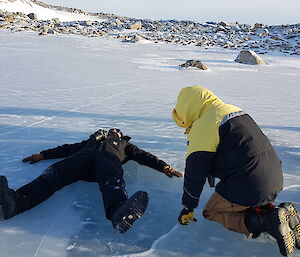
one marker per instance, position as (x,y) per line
(97,159)
(225,142)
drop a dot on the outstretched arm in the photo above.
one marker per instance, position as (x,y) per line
(148,159)
(63,150)
(57,152)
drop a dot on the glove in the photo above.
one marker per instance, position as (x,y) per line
(99,135)
(185,216)
(169,171)
(34,158)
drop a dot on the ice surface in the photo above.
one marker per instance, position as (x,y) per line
(60,89)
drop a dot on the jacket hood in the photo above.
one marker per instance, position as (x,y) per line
(191,103)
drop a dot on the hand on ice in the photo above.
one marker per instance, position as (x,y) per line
(34,158)
(185,216)
(169,171)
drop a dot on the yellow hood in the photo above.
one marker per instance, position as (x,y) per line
(191,103)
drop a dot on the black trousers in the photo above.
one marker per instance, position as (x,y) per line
(87,164)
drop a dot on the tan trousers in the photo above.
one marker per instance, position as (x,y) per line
(228,214)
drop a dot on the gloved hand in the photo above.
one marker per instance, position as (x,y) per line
(169,171)
(99,135)
(185,216)
(34,158)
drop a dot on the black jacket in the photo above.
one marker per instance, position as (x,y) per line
(245,162)
(112,147)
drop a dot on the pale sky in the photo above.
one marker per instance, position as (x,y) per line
(269,12)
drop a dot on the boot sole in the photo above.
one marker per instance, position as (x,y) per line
(284,235)
(132,212)
(294,221)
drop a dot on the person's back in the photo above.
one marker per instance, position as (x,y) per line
(246,160)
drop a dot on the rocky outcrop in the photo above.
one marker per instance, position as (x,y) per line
(194,64)
(32,16)
(258,37)
(137,25)
(249,57)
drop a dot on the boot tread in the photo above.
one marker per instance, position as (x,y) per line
(130,211)
(294,220)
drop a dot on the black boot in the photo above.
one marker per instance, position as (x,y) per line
(129,211)
(260,210)
(294,221)
(275,222)
(8,202)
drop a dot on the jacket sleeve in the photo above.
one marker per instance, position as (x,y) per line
(63,150)
(144,158)
(198,166)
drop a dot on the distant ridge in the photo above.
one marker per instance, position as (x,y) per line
(49,19)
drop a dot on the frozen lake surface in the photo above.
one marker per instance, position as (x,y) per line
(60,89)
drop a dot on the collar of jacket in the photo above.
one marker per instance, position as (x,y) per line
(115,136)
(127,138)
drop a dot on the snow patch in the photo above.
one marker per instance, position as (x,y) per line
(26,6)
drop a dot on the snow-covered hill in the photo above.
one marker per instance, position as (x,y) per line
(43,12)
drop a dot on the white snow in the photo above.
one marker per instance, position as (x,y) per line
(60,89)
(26,6)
